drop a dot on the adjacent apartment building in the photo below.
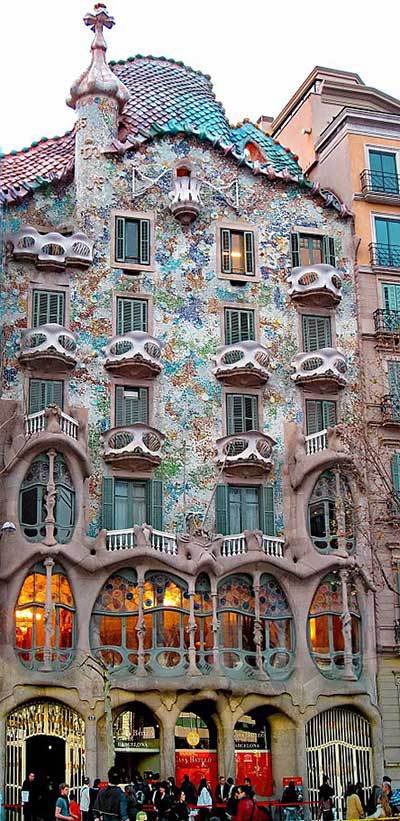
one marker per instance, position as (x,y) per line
(347,136)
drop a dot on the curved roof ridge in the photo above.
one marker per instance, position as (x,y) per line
(15,151)
(163,59)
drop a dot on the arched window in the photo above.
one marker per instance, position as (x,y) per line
(327,623)
(166,619)
(236,618)
(113,634)
(278,630)
(45,640)
(204,640)
(254,152)
(36,499)
(330,503)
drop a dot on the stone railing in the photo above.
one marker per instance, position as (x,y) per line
(251,450)
(237,546)
(243,363)
(126,539)
(136,443)
(315,442)
(273,546)
(185,199)
(135,351)
(38,422)
(317,282)
(53,249)
(326,366)
(48,342)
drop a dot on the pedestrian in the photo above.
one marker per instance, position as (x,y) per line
(84,799)
(222,791)
(180,809)
(248,784)
(111,799)
(246,806)
(360,792)
(383,808)
(232,803)
(30,797)
(354,808)
(131,803)
(325,800)
(62,812)
(162,801)
(204,800)
(231,784)
(93,793)
(172,789)
(190,790)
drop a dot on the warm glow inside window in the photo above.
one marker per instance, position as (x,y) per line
(325,627)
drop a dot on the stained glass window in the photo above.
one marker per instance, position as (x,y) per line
(204,639)
(325,627)
(166,606)
(236,616)
(114,620)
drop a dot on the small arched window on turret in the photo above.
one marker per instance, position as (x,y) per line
(331,513)
(254,153)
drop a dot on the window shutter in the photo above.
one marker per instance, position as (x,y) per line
(139,309)
(295,249)
(249,251)
(395,465)
(391,297)
(131,315)
(394,377)
(119,239)
(155,501)
(268,522)
(235,415)
(119,406)
(221,510)
(107,517)
(232,330)
(134,409)
(316,333)
(248,324)
(251,413)
(328,245)
(54,394)
(313,416)
(35,395)
(144,242)
(329,415)
(226,251)
(48,306)
(56,308)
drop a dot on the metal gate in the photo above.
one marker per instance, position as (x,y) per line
(338,744)
(43,718)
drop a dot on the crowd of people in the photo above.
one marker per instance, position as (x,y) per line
(381,803)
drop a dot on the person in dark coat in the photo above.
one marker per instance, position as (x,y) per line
(162,801)
(189,789)
(111,800)
(222,791)
(180,810)
(30,797)
(93,793)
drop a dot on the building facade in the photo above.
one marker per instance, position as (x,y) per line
(181,566)
(347,136)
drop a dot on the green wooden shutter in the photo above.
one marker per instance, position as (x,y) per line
(249,251)
(268,512)
(144,242)
(35,395)
(221,510)
(107,516)
(235,414)
(316,333)
(131,315)
(328,251)
(251,413)
(48,306)
(119,406)
(45,392)
(391,296)
(226,263)
(56,308)
(239,326)
(54,393)
(394,377)
(395,465)
(131,409)
(119,239)
(295,249)
(313,416)
(329,413)
(155,503)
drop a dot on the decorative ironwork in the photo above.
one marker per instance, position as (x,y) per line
(390,407)
(384,256)
(387,321)
(379,182)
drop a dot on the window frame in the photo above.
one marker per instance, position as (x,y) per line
(134,267)
(40,287)
(132,295)
(242,227)
(229,390)
(238,308)
(121,382)
(299,231)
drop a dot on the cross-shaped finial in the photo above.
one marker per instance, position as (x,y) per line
(99,18)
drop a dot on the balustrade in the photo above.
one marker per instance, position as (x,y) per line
(52,249)
(46,345)
(323,369)
(37,423)
(134,446)
(315,442)
(126,540)
(249,453)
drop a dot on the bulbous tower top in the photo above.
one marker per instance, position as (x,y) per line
(98,79)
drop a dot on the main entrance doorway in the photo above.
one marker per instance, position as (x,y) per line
(137,742)
(196,744)
(253,760)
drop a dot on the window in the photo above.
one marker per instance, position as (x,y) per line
(44,473)
(325,628)
(204,637)
(239,325)
(45,392)
(394,378)
(113,625)
(241,508)
(132,242)
(395,470)
(132,315)
(320,414)
(329,489)
(48,307)
(236,616)
(278,629)
(166,618)
(241,413)
(387,233)
(317,333)
(237,253)
(309,249)
(33,647)
(131,406)
(383,172)
(127,503)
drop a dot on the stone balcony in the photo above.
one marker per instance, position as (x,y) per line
(185,199)
(238,546)
(323,370)
(133,447)
(316,442)
(242,363)
(127,539)
(52,420)
(49,348)
(52,250)
(135,354)
(245,454)
(315,285)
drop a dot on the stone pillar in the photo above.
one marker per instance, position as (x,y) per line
(348,672)
(192,671)
(258,627)
(167,740)
(215,629)
(91,747)
(48,613)
(140,628)
(50,501)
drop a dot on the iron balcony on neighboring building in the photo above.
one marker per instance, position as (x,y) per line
(133,447)
(387,321)
(384,256)
(134,354)
(48,347)
(247,454)
(242,363)
(323,370)
(379,186)
(315,285)
(390,407)
(52,250)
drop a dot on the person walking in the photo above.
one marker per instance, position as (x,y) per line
(383,808)
(325,800)
(110,803)
(62,810)
(204,800)
(93,793)
(30,797)
(84,799)
(189,789)
(354,808)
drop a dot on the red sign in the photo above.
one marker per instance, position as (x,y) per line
(197,764)
(256,765)
(297,781)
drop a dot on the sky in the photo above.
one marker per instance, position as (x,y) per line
(257,52)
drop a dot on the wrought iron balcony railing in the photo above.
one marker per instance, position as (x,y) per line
(249,452)
(317,283)
(135,353)
(379,182)
(384,256)
(53,249)
(387,321)
(135,446)
(242,363)
(325,368)
(390,407)
(47,344)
